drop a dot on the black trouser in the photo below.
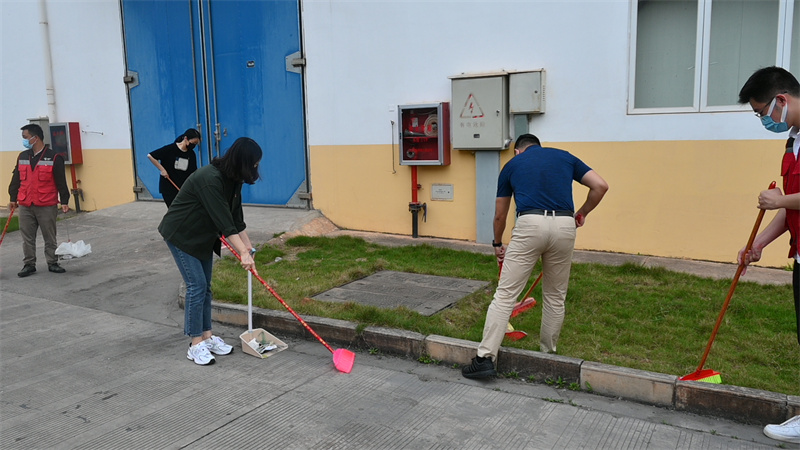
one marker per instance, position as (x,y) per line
(169,197)
(796,286)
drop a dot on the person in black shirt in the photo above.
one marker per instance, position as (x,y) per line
(176,162)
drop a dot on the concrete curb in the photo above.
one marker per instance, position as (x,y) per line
(744,405)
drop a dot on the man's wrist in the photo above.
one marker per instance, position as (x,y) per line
(496,244)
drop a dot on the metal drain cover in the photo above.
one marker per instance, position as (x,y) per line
(425,294)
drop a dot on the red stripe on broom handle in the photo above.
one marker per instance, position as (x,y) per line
(739,270)
(275,294)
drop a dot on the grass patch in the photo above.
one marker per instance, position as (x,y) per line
(12,226)
(631,316)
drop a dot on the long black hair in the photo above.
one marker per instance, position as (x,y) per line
(191,133)
(240,161)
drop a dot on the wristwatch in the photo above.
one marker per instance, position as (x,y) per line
(496,244)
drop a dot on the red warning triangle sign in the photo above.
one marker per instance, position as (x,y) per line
(471,110)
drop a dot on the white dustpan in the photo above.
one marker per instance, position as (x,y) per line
(258,342)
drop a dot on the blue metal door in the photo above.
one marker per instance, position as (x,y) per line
(221,66)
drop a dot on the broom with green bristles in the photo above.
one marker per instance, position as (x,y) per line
(708,375)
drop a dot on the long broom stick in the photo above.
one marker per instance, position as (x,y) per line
(710,375)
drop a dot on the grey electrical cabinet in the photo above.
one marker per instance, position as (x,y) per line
(479,113)
(526,92)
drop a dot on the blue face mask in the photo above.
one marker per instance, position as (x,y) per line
(775,127)
(771,125)
(27,144)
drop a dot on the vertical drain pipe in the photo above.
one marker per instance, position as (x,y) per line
(50,90)
(48,61)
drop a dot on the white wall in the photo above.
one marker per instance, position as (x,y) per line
(366,56)
(88,66)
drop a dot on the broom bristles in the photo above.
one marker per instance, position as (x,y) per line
(716,379)
(705,376)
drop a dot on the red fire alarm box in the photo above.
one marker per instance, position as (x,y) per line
(66,138)
(424,134)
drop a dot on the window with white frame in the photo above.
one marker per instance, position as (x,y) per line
(695,55)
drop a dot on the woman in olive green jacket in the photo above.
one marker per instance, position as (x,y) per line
(209,205)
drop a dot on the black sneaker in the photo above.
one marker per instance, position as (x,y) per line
(479,368)
(55,268)
(26,270)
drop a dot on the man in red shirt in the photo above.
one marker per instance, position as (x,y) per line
(36,185)
(774,95)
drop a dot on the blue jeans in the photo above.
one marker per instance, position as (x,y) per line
(196,274)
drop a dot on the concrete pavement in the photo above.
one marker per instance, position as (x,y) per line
(94,358)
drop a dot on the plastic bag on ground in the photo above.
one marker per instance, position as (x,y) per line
(68,250)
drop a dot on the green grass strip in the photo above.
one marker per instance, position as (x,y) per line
(630,316)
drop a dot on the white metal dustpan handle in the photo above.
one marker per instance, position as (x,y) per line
(249,301)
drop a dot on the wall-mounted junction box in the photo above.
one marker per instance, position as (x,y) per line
(526,92)
(480,111)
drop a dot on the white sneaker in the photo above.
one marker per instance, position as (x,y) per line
(199,354)
(217,346)
(788,431)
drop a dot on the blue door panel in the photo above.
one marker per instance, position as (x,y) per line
(159,50)
(219,63)
(256,96)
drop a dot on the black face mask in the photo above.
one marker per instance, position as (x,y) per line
(190,146)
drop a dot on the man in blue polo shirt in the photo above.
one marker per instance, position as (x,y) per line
(540,179)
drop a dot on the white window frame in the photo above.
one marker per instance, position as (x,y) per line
(699,104)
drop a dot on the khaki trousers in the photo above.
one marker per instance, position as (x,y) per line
(31,219)
(553,239)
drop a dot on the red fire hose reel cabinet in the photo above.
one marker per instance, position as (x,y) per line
(424,134)
(66,138)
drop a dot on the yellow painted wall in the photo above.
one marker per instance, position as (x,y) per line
(106,177)
(684,199)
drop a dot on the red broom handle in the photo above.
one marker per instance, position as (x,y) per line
(739,270)
(275,294)
(173,183)
(533,286)
(6,227)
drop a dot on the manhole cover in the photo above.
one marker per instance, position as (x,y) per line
(425,294)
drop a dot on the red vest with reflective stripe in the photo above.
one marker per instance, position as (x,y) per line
(37,186)
(790,169)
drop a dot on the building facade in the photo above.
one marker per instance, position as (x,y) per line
(645,92)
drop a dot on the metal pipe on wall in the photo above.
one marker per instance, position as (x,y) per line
(415,206)
(48,61)
(50,91)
